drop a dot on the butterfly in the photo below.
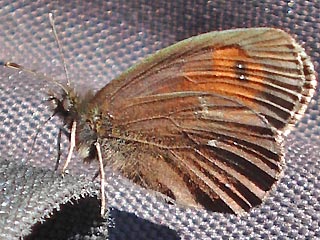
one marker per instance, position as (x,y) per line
(201,121)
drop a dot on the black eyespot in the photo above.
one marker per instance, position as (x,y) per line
(240,69)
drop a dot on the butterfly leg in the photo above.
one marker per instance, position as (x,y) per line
(58,149)
(72,145)
(102,179)
(66,133)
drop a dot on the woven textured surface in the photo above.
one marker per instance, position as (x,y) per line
(101,39)
(40,204)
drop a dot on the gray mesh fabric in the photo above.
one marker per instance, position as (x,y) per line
(101,39)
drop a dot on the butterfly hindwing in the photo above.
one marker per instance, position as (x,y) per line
(199,148)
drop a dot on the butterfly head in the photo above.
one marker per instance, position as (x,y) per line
(71,107)
(65,104)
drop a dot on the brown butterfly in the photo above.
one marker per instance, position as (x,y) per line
(201,121)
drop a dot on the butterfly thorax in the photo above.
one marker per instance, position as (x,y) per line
(92,126)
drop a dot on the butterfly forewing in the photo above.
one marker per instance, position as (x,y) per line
(264,68)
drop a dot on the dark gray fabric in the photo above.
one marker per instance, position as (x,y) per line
(38,204)
(101,39)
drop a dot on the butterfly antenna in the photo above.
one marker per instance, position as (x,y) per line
(21,68)
(39,127)
(51,19)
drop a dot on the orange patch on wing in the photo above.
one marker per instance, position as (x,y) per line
(228,71)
